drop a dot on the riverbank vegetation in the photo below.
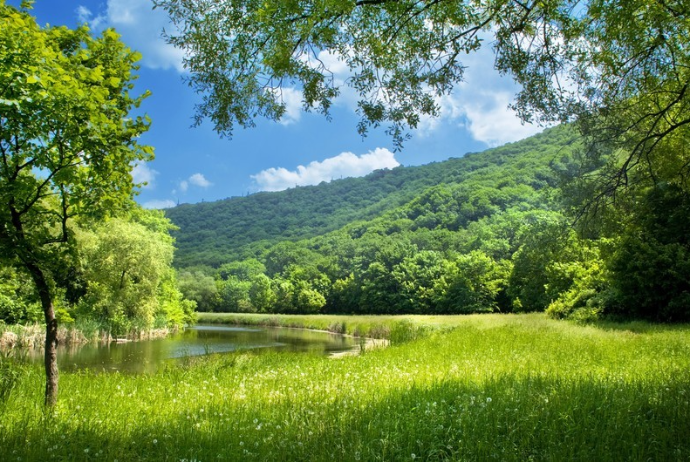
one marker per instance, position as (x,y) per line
(494,232)
(477,387)
(73,244)
(120,283)
(497,231)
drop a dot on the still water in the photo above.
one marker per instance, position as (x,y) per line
(149,355)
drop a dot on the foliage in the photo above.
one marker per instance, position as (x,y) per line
(67,146)
(126,265)
(494,232)
(619,68)
(200,288)
(18,304)
(123,263)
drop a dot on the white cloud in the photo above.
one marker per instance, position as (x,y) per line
(480,104)
(292,98)
(196,179)
(84,15)
(199,180)
(345,164)
(159,204)
(140,27)
(142,173)
(490,120)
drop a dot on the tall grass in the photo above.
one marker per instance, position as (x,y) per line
(509,388)
(374,326)
(82,331)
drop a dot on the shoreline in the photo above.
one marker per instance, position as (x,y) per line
(33,336)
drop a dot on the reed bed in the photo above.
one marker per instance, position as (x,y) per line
(33,335)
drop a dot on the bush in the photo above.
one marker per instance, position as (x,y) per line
(406,331)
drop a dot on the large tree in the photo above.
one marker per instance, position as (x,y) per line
(619,67)
(67,144)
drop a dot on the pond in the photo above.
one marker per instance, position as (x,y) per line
(147,356)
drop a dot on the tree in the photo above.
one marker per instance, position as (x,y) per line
(543,243)
(67,145)
(618,67)
(650,264)
(126,264)
(199,287)
(472,284)
(261,295)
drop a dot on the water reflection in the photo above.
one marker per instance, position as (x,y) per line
(147,356)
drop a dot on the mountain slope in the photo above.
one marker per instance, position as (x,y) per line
(218,232)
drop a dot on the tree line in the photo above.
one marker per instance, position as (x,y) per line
(505,238)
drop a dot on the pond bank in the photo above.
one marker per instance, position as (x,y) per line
(361,326)
(371,334)
(33,336)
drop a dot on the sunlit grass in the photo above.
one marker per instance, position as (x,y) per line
(492,388)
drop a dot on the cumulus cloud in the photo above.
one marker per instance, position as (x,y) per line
(196,179)
(480,105)
(84,15)
(141,27)
(345,164)
(199,180)
(491,121)
(143,174)
(159,204)
(292,98)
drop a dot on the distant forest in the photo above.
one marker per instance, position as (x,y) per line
(510,229)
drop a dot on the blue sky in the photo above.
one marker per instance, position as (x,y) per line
(195,164)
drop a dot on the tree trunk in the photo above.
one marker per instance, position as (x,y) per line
(50,359)
(51,355)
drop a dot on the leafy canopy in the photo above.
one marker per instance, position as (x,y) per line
(618,67)
(67,143)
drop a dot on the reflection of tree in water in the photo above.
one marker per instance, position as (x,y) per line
(148,355)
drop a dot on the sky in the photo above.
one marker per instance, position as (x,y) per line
(194,164)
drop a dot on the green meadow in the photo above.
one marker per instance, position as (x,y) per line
(483,387)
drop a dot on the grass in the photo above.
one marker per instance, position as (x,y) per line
(489,387)
(394,328)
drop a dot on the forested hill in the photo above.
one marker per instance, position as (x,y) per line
(214,233)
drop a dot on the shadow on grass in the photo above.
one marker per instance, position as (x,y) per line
(506,418)
(638,327)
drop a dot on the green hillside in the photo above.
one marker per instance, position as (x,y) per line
(213,233)
(488,232)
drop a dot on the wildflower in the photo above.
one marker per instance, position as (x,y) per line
(414,456)
(488,400)
(155,441)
